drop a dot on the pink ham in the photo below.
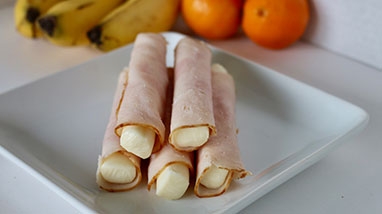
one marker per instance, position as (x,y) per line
(110,144)
(222,149)
(167,155)
(144,101)
(192,103)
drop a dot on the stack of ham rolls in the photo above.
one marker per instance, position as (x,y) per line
(181,120)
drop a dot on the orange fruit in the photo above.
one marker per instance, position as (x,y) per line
(275,24)
(212,19)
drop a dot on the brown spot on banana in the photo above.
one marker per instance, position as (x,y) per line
(48,24)
(32,14)
(94,35)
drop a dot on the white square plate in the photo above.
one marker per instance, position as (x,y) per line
(55,126)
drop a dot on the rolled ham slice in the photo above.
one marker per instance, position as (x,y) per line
(110,144)
(192,103)
(144,100)
(167,155)
(221,151)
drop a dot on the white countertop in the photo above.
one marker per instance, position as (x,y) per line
(346,181)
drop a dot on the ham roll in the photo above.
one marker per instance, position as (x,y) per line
(192,120)
(219,161)
(139,122)
(117,170)
(169,170)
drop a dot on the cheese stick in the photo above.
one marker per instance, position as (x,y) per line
(169,169)
(139,124)
(219,161)
(169,172)
(117,170)
(192,120)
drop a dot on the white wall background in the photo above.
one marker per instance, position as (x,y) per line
(349,27)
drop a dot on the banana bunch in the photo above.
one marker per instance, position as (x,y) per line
(106,24)
(122,25)
(26,13)
(67,22)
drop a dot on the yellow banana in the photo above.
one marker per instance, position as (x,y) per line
(26,13)
(67,22)
(122,25)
